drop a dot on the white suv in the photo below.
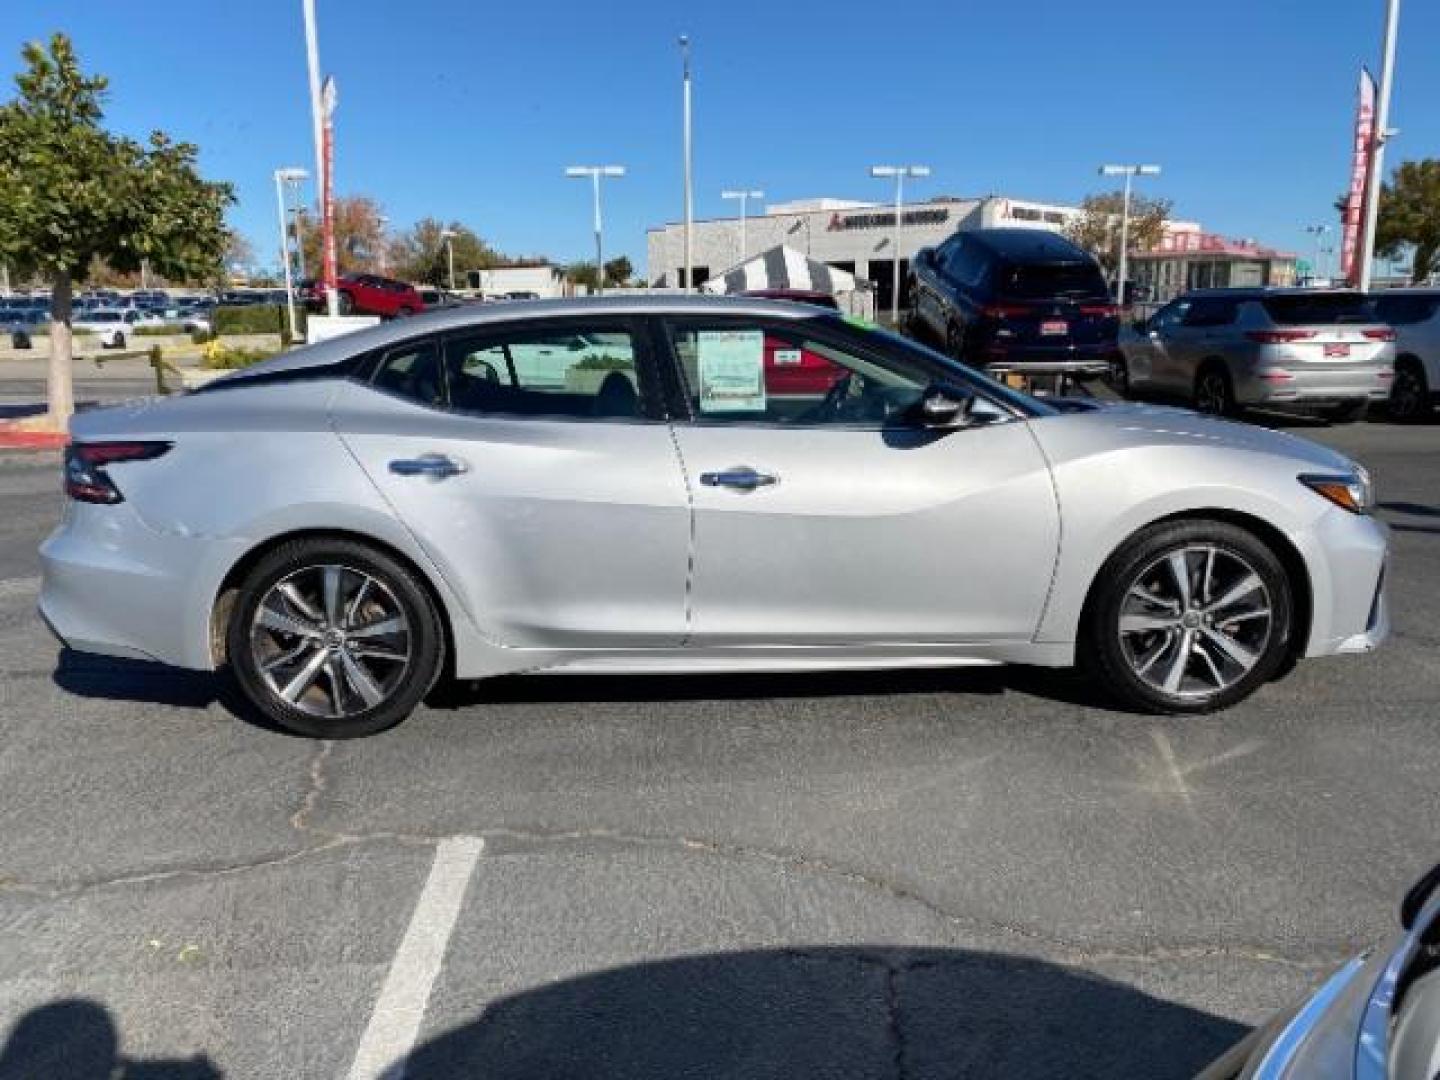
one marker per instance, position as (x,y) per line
(1415,315)
(110,325)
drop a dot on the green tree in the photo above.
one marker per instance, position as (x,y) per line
(1097,227)
(581,273)
(1409,216)
(72,193)
(618,270)
(420,253)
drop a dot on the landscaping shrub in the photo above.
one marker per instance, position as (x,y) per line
(228,357)
(255,319)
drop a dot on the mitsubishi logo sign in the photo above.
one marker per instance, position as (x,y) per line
(884,220)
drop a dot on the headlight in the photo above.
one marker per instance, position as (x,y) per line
(1351,491)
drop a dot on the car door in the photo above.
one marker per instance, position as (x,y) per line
(830,517)
(1166,342)
(558,511)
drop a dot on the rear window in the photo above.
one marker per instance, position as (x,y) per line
(1326,309)
(1403,310)
(1045,281)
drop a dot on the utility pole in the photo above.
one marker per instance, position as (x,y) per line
(744,197)
(898,173)
(1129,172)
(688,282)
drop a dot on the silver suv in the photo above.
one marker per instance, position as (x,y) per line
(1312,350)
(1415,316)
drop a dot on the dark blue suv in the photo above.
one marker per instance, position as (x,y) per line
(1022,300)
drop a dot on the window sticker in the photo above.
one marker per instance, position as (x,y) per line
(787,356)
(732,370)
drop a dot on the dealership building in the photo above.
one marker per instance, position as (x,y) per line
(859,237)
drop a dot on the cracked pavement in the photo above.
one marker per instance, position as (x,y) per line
(920,875)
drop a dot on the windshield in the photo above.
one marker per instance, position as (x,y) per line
(1327,309)
(1047,281)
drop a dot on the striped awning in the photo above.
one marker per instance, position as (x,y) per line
(781,268)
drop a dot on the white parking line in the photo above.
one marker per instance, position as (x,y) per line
(395,1022)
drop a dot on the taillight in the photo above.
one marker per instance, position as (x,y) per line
(1104,311)
(1380,333)
(85,477)
(1004,311)
(1278,337)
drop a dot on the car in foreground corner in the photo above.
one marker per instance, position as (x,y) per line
(609,485)
(1297,350)
(1375,1018)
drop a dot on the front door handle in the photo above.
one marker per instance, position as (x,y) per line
(740,477)
(437,466)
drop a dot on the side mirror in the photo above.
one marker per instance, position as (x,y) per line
(944,405)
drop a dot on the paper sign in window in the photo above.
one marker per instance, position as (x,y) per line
(732,370)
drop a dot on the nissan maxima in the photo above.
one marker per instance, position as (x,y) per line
(626,485)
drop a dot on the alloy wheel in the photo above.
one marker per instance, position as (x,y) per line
(331,641)
(1195,621)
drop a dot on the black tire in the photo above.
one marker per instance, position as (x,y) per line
(119,341)
(1347,413)
(426,640)
(1103,654)
(1214,393)
(1118,377)
(405,313)
(346,304)
(1410,392)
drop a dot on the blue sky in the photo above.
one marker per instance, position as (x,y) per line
(471,110)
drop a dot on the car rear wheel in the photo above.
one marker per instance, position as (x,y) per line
(1119,375)
(346,304)
(1188,617)
(1409,393)
(1214,393)
(334,639)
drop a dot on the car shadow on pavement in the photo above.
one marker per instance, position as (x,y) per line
(76,1039)
(783,1013)
(1067,687)
(839,1012)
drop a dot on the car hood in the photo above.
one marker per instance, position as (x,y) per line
(1134,424)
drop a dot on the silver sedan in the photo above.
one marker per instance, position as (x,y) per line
(663,484)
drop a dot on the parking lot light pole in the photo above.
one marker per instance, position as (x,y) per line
(1129,172)
(1318,231)
(899,173)
(448,235)
(282,178)
(744,197)
(594,173)
(1383,134)
(689,173)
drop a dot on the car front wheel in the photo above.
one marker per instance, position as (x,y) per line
(333,639)
(1188,617)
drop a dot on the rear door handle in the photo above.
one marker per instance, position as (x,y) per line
(740,477)
(437,466)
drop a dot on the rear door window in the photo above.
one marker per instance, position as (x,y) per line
(1211,311)
(1405,310)
(1325,309)
(1053,281)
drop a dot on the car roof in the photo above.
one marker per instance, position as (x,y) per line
(1011,243)
(463,316)
(1425,291)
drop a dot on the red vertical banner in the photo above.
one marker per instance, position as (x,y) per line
(327,190)
(1359,172)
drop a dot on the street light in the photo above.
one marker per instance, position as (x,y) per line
(595,172)
(744,197)
(899,173)
(689,181)
(283,177)
(1318,231)
(1129,172)
(1383,134)
(448,235)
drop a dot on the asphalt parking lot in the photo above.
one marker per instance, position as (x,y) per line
(915,875)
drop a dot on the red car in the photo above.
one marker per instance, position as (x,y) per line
(797,371)
(369,294)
